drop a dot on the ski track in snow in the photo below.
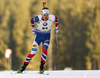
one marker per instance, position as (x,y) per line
(53,74)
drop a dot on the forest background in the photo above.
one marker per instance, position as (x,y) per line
(79,34)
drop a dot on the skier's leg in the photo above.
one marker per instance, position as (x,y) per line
(29,57)
(44,55)
(36,43)
(33,52)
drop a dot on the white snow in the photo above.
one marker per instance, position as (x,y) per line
(53,74)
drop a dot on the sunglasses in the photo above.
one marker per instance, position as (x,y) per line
(46,14)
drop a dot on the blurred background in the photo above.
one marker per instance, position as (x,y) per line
(78,38)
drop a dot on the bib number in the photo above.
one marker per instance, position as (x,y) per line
(44,27)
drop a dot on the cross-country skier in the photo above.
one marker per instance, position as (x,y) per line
(42,32)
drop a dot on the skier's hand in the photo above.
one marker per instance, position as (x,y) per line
(33,31)
(56,30)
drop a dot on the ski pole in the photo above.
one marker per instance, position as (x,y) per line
(27,39)
(57,42)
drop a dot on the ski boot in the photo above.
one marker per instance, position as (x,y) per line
(22,68)
(42,68)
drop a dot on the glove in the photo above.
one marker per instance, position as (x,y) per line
(56,30)
(33,31)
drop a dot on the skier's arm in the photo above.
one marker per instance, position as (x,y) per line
(56,24)
(34,19)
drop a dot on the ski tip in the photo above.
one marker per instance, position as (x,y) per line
(17,73)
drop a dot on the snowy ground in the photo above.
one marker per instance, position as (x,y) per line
(53,74)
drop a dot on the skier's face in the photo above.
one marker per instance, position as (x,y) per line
(45,16)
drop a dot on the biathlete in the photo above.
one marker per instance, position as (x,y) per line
(42,34)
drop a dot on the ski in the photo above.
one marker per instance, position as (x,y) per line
(17,73)
(29,73)
(43,73)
